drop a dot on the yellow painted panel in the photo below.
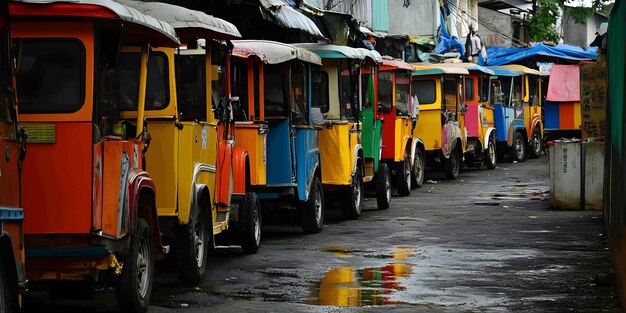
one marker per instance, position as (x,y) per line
(161,160)
(248,137)
(335,154)
(429,129)
(403,134)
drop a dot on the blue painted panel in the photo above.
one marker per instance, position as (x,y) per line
(307,157)
(551,115)
(11,214)
(501,125)
(278,153)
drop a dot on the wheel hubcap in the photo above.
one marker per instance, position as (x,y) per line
(318,207)
(492,153)
(519,149)
(536,144)
(388,188)
(356,190)
(199,242)
(257,225)
(418,168)
(407,173)
(143,267)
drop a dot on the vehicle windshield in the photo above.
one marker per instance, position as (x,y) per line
(403,93)
(425,91)
(299,110)
(127,77)
(239,88)
(484,87)
(275,92)
(517,94)
(385,89)
(450,92)
(533,87)
(219,54)
(191,87)
(365,90)
(469,88)
(505,83)
(50,75)
(7,92)
(349,94)
(320,98)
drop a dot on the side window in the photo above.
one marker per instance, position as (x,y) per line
(319,94)
(385,89)
(50,75)
(497,92)
(275,91)
(219,54)
(517,96)
(469,89)
(7,91)
(506,83)
(533,90)
(298,94)
(157,95)
(191,87)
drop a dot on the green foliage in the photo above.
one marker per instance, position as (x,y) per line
(541,25)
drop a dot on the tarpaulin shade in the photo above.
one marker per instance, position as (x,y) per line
(505,55)
(564,84)
(288,17)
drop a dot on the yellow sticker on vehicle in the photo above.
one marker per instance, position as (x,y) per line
(40,133)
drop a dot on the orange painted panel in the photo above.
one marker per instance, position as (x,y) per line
(112,156)
(56,182)
(566,116)
(9,179)
(223,182)
(97,185)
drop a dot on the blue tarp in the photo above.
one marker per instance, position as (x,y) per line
(445,42)
(505,55)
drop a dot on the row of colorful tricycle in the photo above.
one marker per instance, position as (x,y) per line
(146,132)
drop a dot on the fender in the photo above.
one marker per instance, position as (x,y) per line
(139,182)
(240,155)
(311,175)
(198,192)
(455,141)
(490,130)
(414,147)
(535,122)
(358,154)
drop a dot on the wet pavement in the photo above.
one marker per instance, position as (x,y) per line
(487,241)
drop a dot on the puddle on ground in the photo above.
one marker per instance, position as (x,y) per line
(347,286)
(519,191)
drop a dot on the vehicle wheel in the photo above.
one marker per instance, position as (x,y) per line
(351,209)
(451,165)
(5,292)
(519,148)
(417,171)
(383,187)
(192,247)
(135,284)
(403,176)
(490,154)
(535,144)
(313,209)
(250,224)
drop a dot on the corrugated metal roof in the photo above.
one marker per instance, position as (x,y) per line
(289,17)
(272,52)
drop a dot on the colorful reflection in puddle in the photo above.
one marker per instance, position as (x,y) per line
(347,286)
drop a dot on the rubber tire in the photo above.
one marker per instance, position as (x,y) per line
(419,163)
(127,289)
(188,269)
(518,141)
(403,176)
(6,297)
(350,209)
(250,223)
(487,159)
(535,144)
(383,187)
(309,209)
(452,164)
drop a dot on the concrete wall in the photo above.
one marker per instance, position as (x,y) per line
(580,34)
(417,19)
(494,26)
